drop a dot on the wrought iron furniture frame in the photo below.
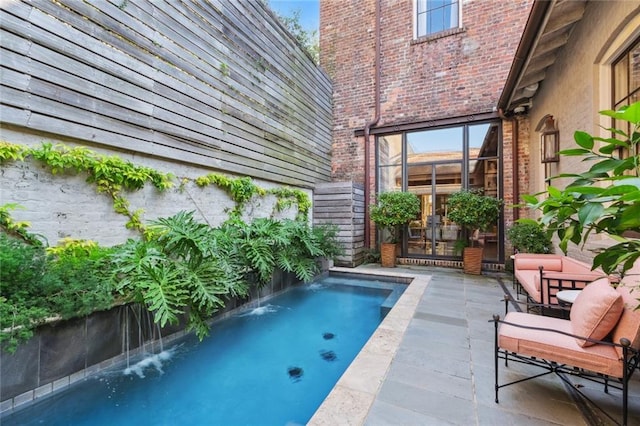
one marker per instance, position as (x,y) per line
(630,359)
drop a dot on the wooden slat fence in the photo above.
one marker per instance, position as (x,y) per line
(342,204)
(214,83)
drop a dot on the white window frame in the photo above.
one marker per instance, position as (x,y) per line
(415,20)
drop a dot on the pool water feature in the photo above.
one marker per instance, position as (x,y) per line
(269,365)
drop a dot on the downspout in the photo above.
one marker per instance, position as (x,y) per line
(367,131)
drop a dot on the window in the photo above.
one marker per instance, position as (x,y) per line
(626,82)
(626,77)
(434,16)
(433,163)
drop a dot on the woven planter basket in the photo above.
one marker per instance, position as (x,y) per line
(388,255)
(472,259)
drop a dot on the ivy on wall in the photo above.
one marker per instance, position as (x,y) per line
(113,175)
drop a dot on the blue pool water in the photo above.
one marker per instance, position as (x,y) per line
(273,365)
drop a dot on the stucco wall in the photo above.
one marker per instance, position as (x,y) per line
(59,206)
(577,86)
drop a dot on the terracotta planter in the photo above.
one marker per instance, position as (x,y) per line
(472,259)
(388,255)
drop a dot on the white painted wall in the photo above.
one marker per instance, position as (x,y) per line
(59,206)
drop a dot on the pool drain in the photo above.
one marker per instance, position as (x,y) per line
(295,373)
(328,355)
(328,336)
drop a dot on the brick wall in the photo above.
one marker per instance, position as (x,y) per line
(457,75)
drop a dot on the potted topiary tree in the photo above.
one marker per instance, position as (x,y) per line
(393,210)
(473,211)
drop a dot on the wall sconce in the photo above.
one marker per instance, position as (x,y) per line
(549,140)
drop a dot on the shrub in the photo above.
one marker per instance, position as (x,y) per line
(472,210)
(529,237)
(37,285)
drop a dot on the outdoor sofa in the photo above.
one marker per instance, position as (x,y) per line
(541,276)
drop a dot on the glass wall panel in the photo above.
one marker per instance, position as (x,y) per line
(435,145)
(432,233)
(389,179)
(483,176)
(436,165)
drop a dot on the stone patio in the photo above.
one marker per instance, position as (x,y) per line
(431,363)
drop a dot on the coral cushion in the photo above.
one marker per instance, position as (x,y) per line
(629,324)
(596,311)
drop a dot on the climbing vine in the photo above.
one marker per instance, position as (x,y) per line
(18,229)
(288,196)
(112,175)
(241,189)
(11,152)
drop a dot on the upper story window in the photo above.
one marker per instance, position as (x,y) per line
(435,16)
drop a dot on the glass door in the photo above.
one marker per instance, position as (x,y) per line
(432,234)
(434,170)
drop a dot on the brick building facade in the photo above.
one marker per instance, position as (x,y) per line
(428,82)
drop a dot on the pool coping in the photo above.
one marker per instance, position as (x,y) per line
(353,395)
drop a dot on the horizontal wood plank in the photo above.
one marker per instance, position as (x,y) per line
(150,77)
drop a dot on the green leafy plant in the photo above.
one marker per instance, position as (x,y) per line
(472,210)
(12,152)
(190,269)
(65,283)
(240,189)
(291,245)
(528,236)
(288,196)
(308,40)
(605,199)
(393,210)
(18,229)
(110,174)
(186,269)
(113,176)
(371,256)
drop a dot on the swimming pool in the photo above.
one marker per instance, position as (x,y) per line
(274,365)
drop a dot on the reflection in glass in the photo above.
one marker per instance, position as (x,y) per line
(434,145)
(390,149)
(483,176)
(432,233)
(390,178)
(435,168)
(483,140)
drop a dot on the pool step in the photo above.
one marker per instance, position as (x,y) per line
(391,300)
